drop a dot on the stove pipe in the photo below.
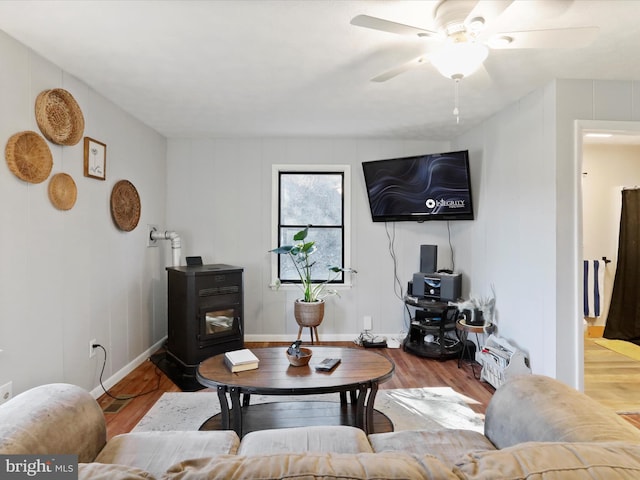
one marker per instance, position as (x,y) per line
(175,243)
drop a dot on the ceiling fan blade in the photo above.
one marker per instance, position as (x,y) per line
(489,10)
(540,9)
(391,27)
(394,72)
(554,38)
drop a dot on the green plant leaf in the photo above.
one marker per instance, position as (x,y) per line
(340,269)
(301,235)
(309,248)
(282,250)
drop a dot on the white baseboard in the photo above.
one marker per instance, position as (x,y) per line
(127,369)
(336,337)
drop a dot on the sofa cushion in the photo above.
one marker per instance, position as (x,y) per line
(553,461)
(103,471)
(536,408)
(447,445)
(319,439)
(312,466)
(157,451)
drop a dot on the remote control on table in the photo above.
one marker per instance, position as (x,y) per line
(328,364)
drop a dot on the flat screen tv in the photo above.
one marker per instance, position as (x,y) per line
(435,186)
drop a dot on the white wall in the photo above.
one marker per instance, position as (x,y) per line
(70,276)
(606,170)
(512,244)
(219,198)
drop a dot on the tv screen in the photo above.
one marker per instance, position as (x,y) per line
(435,186)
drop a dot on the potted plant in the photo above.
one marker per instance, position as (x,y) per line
(478,311)
(309,310)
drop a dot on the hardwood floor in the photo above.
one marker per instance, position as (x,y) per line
(610,378)
(145,378)
(410,372)
(613,380)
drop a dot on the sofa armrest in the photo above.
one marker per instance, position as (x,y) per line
(535,408)
(57,418)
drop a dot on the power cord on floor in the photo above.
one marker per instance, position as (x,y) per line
(368,337)
(104,363)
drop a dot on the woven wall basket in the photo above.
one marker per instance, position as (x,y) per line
(59,117)
(125,205)
(62,191)
(28,157)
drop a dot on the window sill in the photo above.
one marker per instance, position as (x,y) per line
(291,286)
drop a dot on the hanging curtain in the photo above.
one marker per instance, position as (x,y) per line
(623,321)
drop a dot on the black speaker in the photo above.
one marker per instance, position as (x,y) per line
(441,287)
(428,258)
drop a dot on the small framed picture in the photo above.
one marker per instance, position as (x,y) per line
(95,159)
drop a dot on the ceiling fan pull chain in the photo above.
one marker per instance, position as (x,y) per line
(456,98)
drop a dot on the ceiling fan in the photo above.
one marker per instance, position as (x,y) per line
(463,36)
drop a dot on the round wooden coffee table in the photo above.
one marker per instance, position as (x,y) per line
(359,374)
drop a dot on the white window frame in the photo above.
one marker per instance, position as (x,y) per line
(346,195)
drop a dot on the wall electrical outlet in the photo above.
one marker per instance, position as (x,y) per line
(367,322)
(92,351)
(6,392)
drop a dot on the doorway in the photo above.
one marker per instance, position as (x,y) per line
(610,162)
(607,165)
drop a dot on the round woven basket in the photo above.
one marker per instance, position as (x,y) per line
(28,157)
(59,117)
(62,191)
(125,205)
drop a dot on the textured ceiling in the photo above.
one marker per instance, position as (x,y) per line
(289,68)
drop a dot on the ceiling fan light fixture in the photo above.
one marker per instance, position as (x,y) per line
(459,59)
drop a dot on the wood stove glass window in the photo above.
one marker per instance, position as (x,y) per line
(219,321)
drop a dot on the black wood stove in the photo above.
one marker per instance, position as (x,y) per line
(205,313)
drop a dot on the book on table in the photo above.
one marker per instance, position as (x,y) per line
(240,360)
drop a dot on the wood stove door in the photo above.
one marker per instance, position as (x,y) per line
(217,323)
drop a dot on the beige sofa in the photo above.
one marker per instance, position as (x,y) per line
(535,428)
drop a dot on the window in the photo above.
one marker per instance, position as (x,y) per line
(316,195)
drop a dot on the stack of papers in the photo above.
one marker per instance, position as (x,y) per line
(240,360)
